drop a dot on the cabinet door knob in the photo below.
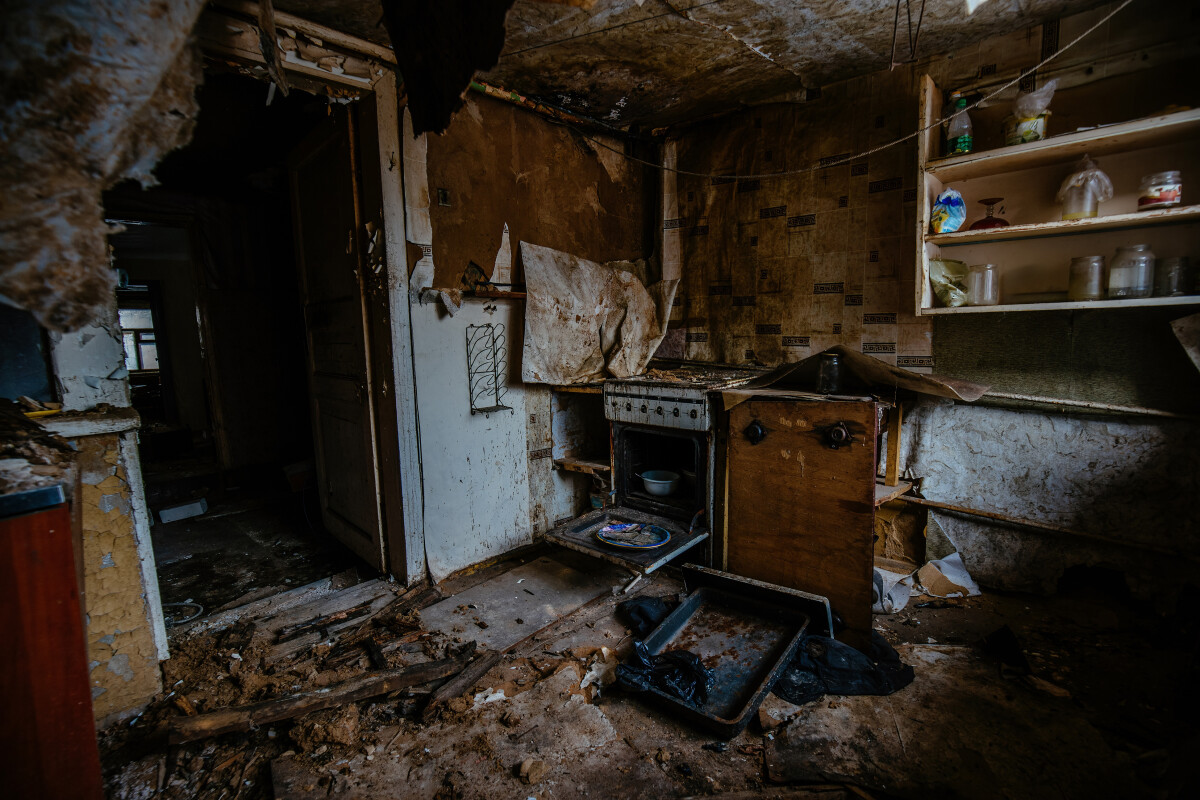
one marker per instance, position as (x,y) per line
(837,435)
(755,432)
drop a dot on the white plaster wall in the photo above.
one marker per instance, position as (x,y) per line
(474,468)
(1135,479)
(89,364)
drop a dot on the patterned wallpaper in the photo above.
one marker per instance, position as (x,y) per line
(775,269)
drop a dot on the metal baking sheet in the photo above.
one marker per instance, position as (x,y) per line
(747,642)
(817,608)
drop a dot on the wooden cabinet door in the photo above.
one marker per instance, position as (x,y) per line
(800,513)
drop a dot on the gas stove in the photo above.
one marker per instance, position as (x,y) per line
(666,420)
(670,398)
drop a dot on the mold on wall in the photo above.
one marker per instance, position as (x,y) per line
(775,269)
(122,652)
(499,164)
(1127,357)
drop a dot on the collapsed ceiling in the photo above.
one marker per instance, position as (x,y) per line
(658,62)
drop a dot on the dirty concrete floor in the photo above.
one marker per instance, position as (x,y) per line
(1111,715)
(256,538)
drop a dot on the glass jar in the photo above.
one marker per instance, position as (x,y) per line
(1080,202)
(1087,278)
(1131,273)
(1161,190)
(983,285)
(1173,277)
(829,374)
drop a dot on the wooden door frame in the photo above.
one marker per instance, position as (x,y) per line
(232,37)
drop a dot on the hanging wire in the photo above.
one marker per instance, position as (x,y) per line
(864,153)
(912,37)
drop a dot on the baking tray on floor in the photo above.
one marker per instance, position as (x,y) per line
(746,641)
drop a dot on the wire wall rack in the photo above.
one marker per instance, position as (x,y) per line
(486,366)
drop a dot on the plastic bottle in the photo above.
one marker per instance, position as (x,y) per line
(958,132)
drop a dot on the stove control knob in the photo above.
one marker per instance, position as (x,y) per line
(629,406)
(644,408)
(675,412)
(693,414)
(658,411)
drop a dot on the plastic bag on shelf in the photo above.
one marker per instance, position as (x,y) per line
(1084,189)
(949,212)
(1027,123)
(1031,104)
(949,280)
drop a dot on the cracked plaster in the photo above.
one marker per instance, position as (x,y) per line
(121,649)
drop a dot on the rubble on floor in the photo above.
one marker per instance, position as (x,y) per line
(538,716)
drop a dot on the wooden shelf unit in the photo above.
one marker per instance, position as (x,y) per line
(1037,230)
(1133,135)
(884,494)
(587,466)
(1085,305)
(1033,256)
(581,440)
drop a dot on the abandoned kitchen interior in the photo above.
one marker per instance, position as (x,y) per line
(599,398)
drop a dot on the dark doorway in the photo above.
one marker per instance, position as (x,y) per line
(212,314)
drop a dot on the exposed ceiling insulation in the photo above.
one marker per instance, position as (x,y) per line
(664,61)
(92,94)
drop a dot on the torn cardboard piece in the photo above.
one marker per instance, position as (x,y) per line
(862,373)
(585,320)
(947,577)
(890,591)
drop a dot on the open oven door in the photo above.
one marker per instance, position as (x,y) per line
(674,518)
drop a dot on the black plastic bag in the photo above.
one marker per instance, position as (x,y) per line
(642,614)
(824,666)
(677,672)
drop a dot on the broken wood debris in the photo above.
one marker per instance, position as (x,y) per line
(398,615)
(244,718)
(463,682)
(292,631)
